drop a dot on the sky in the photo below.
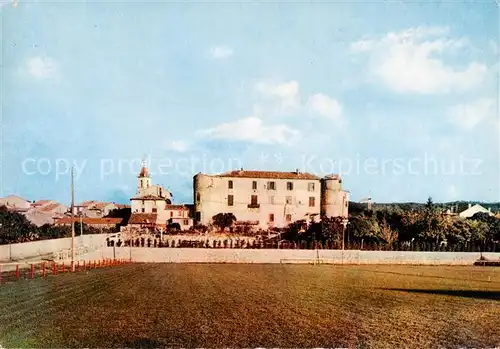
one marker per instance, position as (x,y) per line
(399,98)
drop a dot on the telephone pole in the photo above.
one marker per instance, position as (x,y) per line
(72,223)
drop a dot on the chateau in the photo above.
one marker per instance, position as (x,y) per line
(260,199)
(268,199)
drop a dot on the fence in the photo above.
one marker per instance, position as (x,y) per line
(280,256)
(27,271)
(308,245)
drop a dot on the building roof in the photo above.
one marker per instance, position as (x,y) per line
(100,205)
(143,218)
(144,171)
(87,203)
(41,202)
(122,206)
(87,220)
(177,207)
(270,175)
(473,210)
(148,197)
(50,207)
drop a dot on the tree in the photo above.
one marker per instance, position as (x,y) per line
(124,213)
(224,220)
(388,235)
(15,227)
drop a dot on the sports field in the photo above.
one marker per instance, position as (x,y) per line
(196,305)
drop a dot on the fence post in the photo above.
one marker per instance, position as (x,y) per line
(84,267)
(17,271)
(54,268)
(32,271)
(43,270)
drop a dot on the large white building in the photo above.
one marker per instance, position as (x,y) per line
(268,199)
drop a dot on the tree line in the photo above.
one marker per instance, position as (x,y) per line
(425,228)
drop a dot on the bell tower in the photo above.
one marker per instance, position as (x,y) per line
(144,180)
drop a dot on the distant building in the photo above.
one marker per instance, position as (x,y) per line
(15,203)
(94,222)
(472,210)
(272,199)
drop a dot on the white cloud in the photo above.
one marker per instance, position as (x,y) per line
(408,61)
(252,129)
(325,106)
(179,146)
(220,52)
(42,67)
(469,114)
(284,97)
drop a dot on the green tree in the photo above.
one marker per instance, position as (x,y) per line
(224,220)
(15,227)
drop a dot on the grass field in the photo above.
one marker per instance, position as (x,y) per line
(182,305)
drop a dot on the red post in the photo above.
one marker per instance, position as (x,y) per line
(78,265)
(54,269)
(17,272)
(43,270)
(94,264)
(32,271)
(84,267)
(1,274)
(64,268)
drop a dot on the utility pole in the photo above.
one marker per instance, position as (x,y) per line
(72,223)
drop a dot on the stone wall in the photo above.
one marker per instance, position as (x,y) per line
(201,255)
(38,248)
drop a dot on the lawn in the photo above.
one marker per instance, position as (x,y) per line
(224,305)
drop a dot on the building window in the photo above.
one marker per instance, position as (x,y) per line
(230,200)
(288,217)
(312,201)
(171,214)
(154,210)
(143,210)
(254,185)
(186,222)
(310,186)
(289,185)
(271,199)
(197,197)
(230,184)
(271,185)
(254,200)
(271,217)
(288,200)
(179,213)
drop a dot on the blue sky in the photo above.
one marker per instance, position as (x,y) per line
(401,98)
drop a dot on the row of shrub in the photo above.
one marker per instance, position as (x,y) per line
(303,245)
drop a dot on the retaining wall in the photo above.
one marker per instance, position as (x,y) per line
(39,248)
(202,255)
